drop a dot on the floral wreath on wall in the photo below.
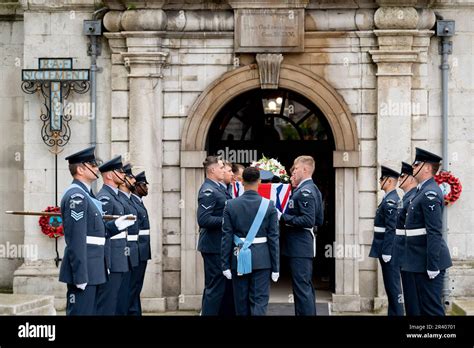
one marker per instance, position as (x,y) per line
(52,226)
(450,186)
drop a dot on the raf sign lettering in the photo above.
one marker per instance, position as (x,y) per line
(55,79)
(55,71)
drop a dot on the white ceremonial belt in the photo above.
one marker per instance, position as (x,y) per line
(144,233)
(95,240)
(416,232)
(132,237)
(399,232)
(121,235)
(379,229)
(257,240)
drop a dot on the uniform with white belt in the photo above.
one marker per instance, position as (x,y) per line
(125,292)
(252,289)
(115,247)
(427,254)
(84,266)
(303,214)
(385,222)
(143,247)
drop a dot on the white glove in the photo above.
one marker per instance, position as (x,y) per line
(227,274)
(386,258)
(81,286)
(275,276)
(432,274)
(122,223)
(279,214)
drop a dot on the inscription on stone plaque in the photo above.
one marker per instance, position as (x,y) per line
(269,30)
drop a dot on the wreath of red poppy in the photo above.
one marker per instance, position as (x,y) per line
(51,225)
(450,186)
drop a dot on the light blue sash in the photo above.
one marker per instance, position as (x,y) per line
(244,256)
(97,203)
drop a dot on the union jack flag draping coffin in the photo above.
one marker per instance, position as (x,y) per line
(278,193)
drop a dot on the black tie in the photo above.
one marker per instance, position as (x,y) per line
(92,194)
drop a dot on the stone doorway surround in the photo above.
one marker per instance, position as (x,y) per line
(345,157)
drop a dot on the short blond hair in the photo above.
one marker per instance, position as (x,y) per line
(306,160)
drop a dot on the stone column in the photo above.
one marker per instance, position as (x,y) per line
(145,148)
(398,26)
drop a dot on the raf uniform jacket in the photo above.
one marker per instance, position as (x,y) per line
(384,225)
(304,211)
(132,237)
(84,233)
(144,225)
(239,214)
(398,256)
(426,249)
(211,202)
(115,248)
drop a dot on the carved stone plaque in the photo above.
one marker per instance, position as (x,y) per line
(269,30)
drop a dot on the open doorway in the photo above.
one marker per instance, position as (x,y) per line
(284,125)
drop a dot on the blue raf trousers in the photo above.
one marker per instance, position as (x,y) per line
(303,290)
(251,292)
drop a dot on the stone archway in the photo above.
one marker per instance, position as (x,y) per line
(346,161)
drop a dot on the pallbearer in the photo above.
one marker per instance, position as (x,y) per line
(84,266)
(125,292)
(384,234)
(140,190)
(303,215)
(116,246)
(427,255)
(407,183)
(250,225)
(211,201)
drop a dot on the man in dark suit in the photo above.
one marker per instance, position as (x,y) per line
(303,215)
(84,265)
(211,201)
(251,290)
(427,254)
(385,223)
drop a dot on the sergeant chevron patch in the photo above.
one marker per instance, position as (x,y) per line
(77,215)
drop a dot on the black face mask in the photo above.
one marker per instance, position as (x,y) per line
(85,165)
(415,174)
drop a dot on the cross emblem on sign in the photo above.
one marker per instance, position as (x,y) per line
(55,79)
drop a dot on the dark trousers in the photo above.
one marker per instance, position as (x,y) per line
(107,294)
(410,295)
(303,290)
(393,287)
(123,302)
(81,302)
(251,292)
(214,284)
(429,292)
(136,285)
(227,306)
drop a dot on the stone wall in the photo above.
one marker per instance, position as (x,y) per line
(56,31)
(11,140)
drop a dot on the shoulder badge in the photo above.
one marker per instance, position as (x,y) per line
(391,202)
(305,192)
(207,191)
(431,195)
(107,198)
(74,195)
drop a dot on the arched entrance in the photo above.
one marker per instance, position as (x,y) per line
(282,124)
(337,118)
